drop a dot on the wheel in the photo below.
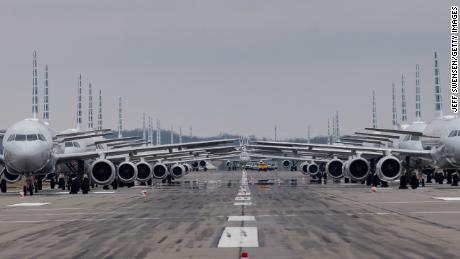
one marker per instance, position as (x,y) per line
(403,182)
(24,190)
(205,169)
(115,184)
(36,187)
(85,186)
(61,183)
(39,185)
(346,180)
(455,179)
(413,182)
(52,183)
(3,185)
(149,182)
(31,189)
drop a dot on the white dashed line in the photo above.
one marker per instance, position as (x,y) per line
(239,237)
(241,218)
(28,204)
(447,198)
(237,198)
(243,203)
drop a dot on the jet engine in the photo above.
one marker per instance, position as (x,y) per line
(286,163)
(195,164)
(160,171)
(11,178)
(144,171)
(388,168)
(228,163)
(177,171)
(304,168)
(357,168)
(102,172)
(334,168)
(202,163)
(127,172)
(313,169)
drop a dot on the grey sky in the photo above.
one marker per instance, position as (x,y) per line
(237,66)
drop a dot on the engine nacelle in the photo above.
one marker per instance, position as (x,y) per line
(286,163)
(304,168)
(228,163)
(102,172)
(11,178)
(202,163)
(127,172)
(388,168)
(313,169)
(160,171)
(195,164)
(334,168)
(144,171)
(177,171)
(357,168)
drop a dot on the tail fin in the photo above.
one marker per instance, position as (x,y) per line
(418,110)
(46,114)
(99,113)
(34,87)
(120,118)
(79,104)
(403,100)
(90,107)
(437,88)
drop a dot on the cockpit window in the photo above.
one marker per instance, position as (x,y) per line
(68,144)
(41,137)
(32,137)
(454,133)
(406,138)
(75,144)
(11,138)
(415,138)
(20,137)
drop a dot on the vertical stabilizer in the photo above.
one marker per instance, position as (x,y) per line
(79,104)
(90,107)
(99,113)
(333,130)
(437,88)
(158,133)
(172,135)
(418,110)
(276,133)
(374,111)
(34,87)
(46,114)
(150,132)
(144,133)
(403,101)
(308,134)
(120,118)
(395,114)
(180,135)
(328,133)
(337,137)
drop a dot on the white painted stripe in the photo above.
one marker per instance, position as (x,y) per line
(436,212)
(241,218)
(447,198)
(243,203)
(239,237)
(28,204)
(243,194)
(104,192)
(405,202)
(237,198)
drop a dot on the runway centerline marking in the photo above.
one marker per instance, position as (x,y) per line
(241,218)
(237,198)
(447,198)
(239,237)
(243,203)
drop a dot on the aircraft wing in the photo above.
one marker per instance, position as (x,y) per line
(83,132)
(77,137)
(110,140)
(350,149)
(294,158)
(67,157)
(402,132)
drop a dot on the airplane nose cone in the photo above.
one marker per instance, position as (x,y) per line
(26,159)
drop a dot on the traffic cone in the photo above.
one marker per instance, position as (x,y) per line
(144,193)
(373,189)
(244,255)
(21,195)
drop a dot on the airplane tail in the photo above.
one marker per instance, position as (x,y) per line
(79,104)
(34,87)
(46,114)
(90,107)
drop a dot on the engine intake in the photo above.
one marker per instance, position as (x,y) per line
(313,169)
(304,168)
(202,163)
(388,168)
(127,172)
(177,171)
(144,171)
(334,168)
(160,171)
(286,163)
(357,168)
(11,178)
(102,172)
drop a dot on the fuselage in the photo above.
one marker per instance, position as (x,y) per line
(28,148)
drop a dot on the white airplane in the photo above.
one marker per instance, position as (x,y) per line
(30,150)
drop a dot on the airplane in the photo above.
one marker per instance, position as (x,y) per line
(30,150)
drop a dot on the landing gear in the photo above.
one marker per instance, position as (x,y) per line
(455,179)
(39,185)
(61,183)
(52,183)
(169,179)
(439,177)
(3,185)
(403,182)
(115,184)
(449,177)
(31,189)
(205,169)
(29,185)
(346,180)
(414,181)
(85,185)
(369,180)
(73,184)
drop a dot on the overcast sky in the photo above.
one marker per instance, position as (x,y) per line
(236,66)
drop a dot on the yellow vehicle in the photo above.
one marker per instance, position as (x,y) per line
(262,166)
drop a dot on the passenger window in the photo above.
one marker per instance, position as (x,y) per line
(20,137)
(32,137)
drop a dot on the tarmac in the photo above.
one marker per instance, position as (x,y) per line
(219,214)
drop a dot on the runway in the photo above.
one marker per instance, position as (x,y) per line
(218,214)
